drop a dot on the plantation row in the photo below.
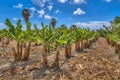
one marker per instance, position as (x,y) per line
(113,35)
(49,37)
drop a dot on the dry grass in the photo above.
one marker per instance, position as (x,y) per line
(99,62)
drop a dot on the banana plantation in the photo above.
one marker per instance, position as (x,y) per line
(59,53)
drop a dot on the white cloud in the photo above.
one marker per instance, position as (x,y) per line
(31,15)
(50,7)
(2,25)
(57,11)
(47,17)
(41,13)
(93,24)
(79,11)
(18,6)
(40,3)
(79,1)
(62,1)
(33,9)
(107,0)
(15,19)
(51,3)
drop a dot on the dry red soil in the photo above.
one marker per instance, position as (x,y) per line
(99,62)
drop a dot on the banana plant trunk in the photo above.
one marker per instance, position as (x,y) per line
(48,50)
(36,44)
(17,53)
(119,51)
(91,41)
(85,43)
(45,57)
(82,46)
(18,50)
(70,50)
(116,48)
(76,46)
(7,42)
(57,57)
(112,43)
(88,43)
(108,41)
(14,54)
(27,52)
(24,44)
(67,51)
(0,39)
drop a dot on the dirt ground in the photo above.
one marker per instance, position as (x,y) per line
(99,62)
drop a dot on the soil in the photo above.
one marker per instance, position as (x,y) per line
(98,62)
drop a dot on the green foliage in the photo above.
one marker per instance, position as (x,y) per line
(117,20)
(78,34)
(3,33)
(15,32)
(113,35)
(28,35)
(48,34)
(45,35)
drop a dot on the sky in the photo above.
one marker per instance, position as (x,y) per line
(83,13)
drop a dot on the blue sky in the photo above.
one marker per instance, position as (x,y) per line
(83,13)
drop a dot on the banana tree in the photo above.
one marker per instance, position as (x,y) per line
(26,16)
(59,40)
(3,34)
(35,39)
(95,36)
(117,20)
(69,40)
(78,36)
(63,26)
(88,35)
(113,36)
(16,34)
(73,27)
(44,36)
(28,38)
